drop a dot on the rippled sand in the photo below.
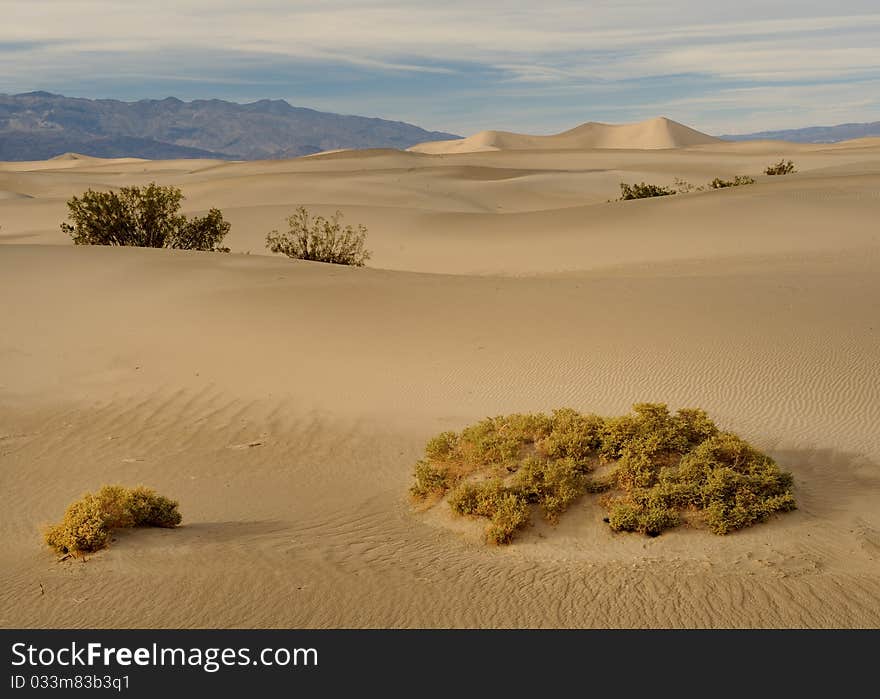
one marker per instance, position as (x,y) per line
(284,403)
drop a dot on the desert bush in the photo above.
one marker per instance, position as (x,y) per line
(511,514)
(201,233)
(148,509)
(664,463)
(145,217)
(320,240)
(82,530)
(622,517)
(88,522)
(505,507)
(553,484)
(737,181)
(502,440)
(442,446)
(430,479)
(643,191)
(734,483)
(573,435)
(617,432)
(654,430)
(478,499)
(685,187)
(783,167)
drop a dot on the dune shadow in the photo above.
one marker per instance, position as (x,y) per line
(196,533)
(827,481)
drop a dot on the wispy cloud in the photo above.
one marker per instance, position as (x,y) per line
(460,65)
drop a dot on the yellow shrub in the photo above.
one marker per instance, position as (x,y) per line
(88,523)
(664,463)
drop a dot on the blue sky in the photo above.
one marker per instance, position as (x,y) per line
(538,67)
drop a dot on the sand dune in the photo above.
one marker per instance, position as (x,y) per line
(66,161)
(656,133)
(284,403)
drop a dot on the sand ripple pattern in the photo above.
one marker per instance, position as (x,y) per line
(301,522)
(284,405)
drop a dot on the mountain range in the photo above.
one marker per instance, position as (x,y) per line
(813,134)
(40,125)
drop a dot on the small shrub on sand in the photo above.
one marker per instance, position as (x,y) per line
(737,181)
(83,528)
(430,479)
(145,217)
(643,191)
(659,465)
(553,484)
(783,167)
(147,509)
(477,499)
(505,508)
(685,187)
(511,515)
(88,523)
(320,240)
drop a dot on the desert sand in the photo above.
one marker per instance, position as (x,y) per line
(659,133)
(284,403)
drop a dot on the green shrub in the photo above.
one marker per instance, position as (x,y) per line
(664,463)
(88,523)
(511,514)
(506,508)
(643,514)
(653,430)
(554,484)
(734,483)
(478,499)
(201,233)
(643,191)
(148,509)
(737,181)
(430,479)
(145,217)
(573,436)
(616,433)
(693,426)
(653,520)
(623,517)
(501,440)
(783,167)
(320,240)
(442,446)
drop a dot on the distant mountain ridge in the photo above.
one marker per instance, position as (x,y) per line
(41,125)
(813,134)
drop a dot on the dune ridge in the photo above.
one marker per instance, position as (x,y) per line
(652,134)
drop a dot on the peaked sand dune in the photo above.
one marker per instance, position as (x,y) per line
(653,134)
(284,403)
(72,156)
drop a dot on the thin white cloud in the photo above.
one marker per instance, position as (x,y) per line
(489,33)
(567,50)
